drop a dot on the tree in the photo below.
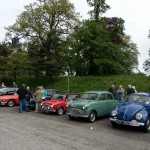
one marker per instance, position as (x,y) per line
(103,48)
(45,26)
(100,7)
(146,64)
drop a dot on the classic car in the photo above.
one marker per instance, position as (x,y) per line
(8,91)
(9,100)
(134,111)
(58,103)
(92,104)
(50,94)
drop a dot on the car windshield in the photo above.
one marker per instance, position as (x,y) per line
(58,97)
(3,90)
(137,98)
(90,96)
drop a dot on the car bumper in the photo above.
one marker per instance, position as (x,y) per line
(47,110)
(3,103)
(77,116)
(129,123)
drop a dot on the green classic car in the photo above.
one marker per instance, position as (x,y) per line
(92,104)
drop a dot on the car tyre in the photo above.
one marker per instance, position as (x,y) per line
(146,127)
(71,118)
(60,111)
(92,116)
(11,103)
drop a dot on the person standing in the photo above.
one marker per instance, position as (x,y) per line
(112,90)
(29,95)
(120,93)
(38,98)
(14,85)
(44,93)
(22,93)
(130,90)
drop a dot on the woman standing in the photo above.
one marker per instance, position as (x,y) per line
(120,92)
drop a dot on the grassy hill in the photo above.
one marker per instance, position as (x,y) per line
(85,83)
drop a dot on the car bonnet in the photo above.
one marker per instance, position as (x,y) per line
(127,111)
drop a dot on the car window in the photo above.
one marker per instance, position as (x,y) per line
(109,97)
(102,97)
(71,97)
(90,96)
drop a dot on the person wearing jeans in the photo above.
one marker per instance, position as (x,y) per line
(22,93)
(120,92)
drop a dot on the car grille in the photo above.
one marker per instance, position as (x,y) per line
(44,107)
(76,111)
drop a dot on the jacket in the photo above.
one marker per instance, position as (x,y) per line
(38,96)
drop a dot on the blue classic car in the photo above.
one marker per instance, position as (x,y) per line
(135,111)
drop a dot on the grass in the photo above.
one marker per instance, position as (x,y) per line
(84,83)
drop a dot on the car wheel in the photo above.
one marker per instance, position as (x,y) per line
(92,116)
(11,103)
(146,127)
(114,124)
(70,117)
(60,111)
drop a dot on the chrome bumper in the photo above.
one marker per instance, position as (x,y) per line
(129,123)
(77,115)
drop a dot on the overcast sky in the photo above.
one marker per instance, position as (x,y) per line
(134,12)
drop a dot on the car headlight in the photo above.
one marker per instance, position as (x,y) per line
(114,113)
(52,105)
(84,107)
(72,105)
(138,116)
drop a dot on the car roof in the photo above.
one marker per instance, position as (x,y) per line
(141,93)
(97,92)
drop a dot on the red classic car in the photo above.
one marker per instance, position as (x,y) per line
(9,100)
(58,103)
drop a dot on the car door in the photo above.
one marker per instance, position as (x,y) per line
(102,105)
(111,102)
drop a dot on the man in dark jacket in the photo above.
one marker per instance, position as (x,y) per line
(22,93)
(112,90)
(130,90)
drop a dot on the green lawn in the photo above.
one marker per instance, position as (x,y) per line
(85,83)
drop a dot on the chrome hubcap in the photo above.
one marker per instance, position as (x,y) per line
(11,103)
(60,111)
(92,116)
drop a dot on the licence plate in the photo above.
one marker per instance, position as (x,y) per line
(134,123)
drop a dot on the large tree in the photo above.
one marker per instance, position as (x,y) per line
(103,48)
(99,7)
(45,26)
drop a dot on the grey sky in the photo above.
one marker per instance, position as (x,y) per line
(134,12)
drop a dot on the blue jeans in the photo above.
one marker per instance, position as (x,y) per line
(121,99)
(23,103)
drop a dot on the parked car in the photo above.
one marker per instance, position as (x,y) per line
(9,100)
(92,104)
(8,91)
(134,111)
(50,94)
(58,103)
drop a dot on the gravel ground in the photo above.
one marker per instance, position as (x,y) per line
(36,131)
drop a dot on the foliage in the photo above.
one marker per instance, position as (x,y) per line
(103,48)
(46,25)
(146,64)
(100,7)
